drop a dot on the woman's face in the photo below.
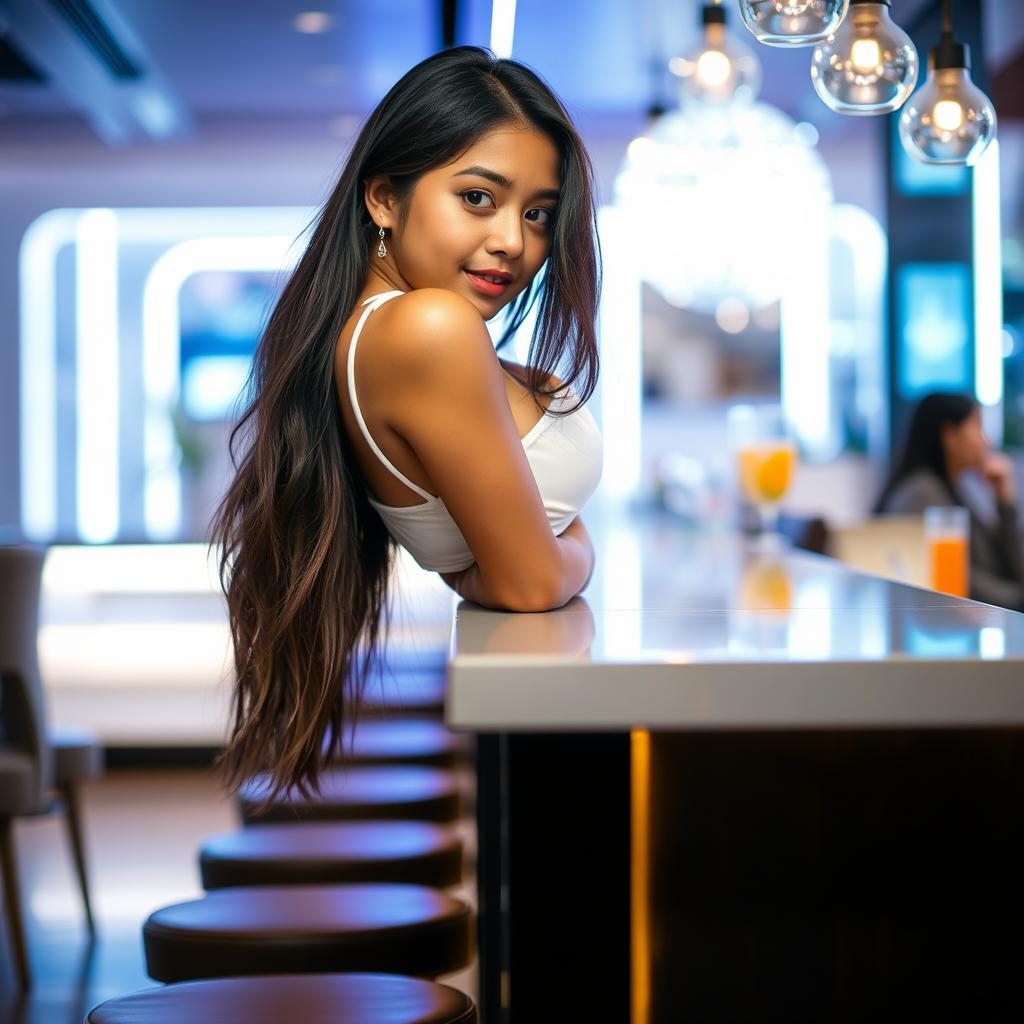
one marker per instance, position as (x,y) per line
(965,442)
(489,212)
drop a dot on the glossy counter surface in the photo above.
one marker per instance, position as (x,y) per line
(680,630)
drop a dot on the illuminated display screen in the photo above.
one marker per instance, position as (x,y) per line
(934,324)
(222,313)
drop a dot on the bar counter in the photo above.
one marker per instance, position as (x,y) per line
(679,629)
(733,782)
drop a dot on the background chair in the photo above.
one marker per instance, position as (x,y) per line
(39,771)
(888,546)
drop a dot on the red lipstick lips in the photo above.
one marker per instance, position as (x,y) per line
(491,282)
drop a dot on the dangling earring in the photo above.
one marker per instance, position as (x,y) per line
(381,248)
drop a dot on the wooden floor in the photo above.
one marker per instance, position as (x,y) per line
(143,828)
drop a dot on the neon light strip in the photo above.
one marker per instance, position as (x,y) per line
(639,875)
(503,26)
(865,242)
(161,340)
(988,291)
(620,338)
(804,341)
(37,299)
(97,377)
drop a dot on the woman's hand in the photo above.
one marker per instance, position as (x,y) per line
(998,473)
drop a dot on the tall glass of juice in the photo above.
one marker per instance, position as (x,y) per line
(947,537)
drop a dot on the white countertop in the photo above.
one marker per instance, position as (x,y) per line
(683,630)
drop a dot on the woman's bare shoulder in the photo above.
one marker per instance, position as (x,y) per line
(427,341)
(428,322)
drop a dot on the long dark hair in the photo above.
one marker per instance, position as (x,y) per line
(923,448)
(304,558)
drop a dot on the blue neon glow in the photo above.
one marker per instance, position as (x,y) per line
(933,317)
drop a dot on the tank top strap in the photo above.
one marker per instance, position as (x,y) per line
(372,303)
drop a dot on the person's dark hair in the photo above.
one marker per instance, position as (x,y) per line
(304,558)
(922,448)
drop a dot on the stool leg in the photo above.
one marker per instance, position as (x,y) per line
(12,897)
(74,824)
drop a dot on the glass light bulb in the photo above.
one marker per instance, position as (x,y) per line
(713,69)
(948,115)
(949,120)
(865,54)
(868,65)
(792,22)
(719,70)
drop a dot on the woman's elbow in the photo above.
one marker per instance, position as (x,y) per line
(535,595)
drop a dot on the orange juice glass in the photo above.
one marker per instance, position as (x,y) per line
(765,457)
(947,536)
(765,470)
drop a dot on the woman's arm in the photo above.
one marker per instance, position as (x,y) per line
(998,474)
(446,398)
(577,556)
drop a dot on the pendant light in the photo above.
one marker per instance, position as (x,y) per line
(949,120)
(720,69)
(868,65)
(793,22)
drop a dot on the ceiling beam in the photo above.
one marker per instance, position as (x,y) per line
(89,54)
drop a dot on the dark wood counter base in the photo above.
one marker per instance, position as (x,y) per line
(797,876)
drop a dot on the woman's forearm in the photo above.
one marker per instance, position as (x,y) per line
(576,557)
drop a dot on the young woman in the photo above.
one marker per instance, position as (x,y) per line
(381,413)
(944,441)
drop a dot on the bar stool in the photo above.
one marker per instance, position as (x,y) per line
(391,740)
(415,852)
(359,794)
(413,658)
(295,929)
(404,692)
(309,998)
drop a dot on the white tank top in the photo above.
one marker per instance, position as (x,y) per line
(564,452)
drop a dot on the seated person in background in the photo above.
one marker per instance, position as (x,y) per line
(944,441)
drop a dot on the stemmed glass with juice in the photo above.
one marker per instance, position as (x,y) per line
(765,455)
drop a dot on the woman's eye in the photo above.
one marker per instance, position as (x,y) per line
(476,197)
(543,216)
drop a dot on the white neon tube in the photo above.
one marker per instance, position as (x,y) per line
(620,341)
(161,345)
(97,377)
(503,26)
(37,314)
(804,341)
(988,292)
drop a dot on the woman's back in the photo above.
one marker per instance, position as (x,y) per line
(916,492)
(559,437)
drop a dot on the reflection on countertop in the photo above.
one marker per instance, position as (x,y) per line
(763,633)
(663,593)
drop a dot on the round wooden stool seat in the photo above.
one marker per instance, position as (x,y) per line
(414,657)
(359,794)
(298,929)
(418,852)
(311,999)
(391,740)
(413,692)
